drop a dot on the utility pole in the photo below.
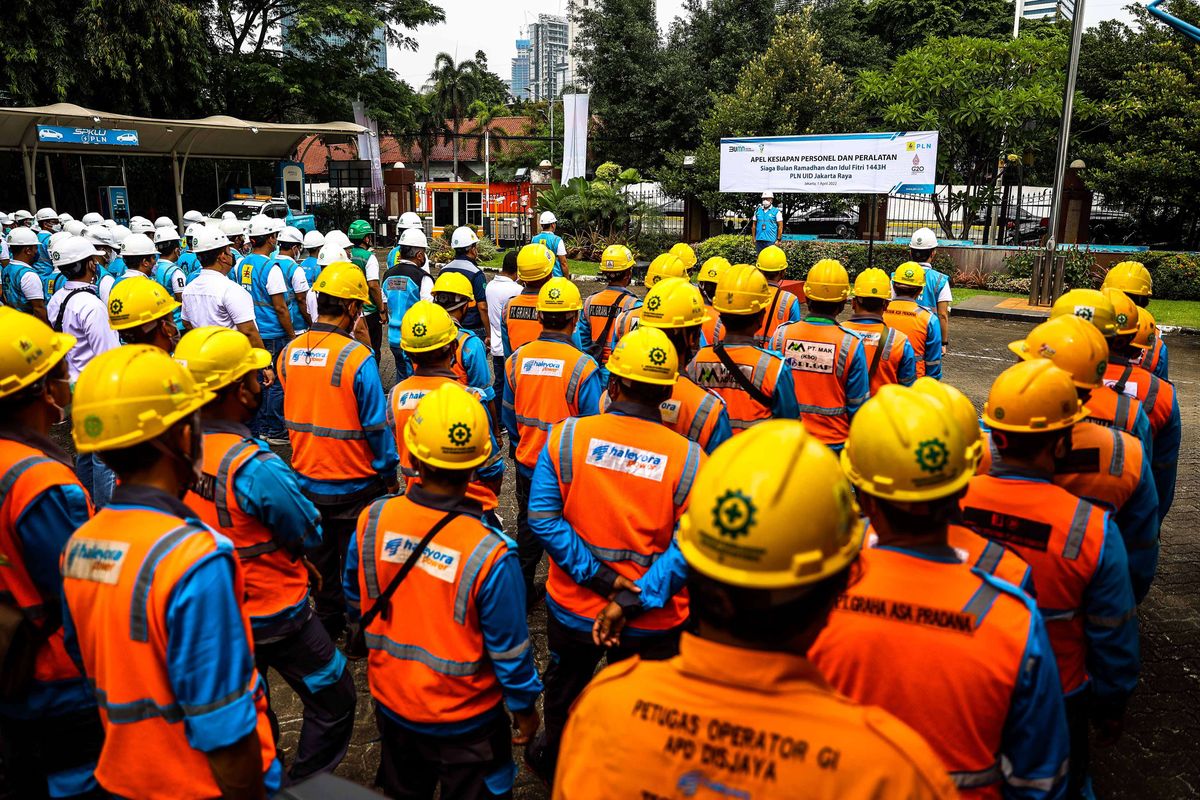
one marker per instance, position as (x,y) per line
(1064,131)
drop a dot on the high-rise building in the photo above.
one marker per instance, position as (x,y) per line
(520,70)
(547,55)
(1043,9)
(573,8)
(379,40)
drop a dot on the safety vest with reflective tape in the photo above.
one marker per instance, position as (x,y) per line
(912,320)
(626,322)
(781,307)
(818,356)
(119,573)
(939,646)
(624,482)
(275,580)
(546,377)
(604,305)
(760,366)
(712,329)
(1108,407)
(691,411)
(1154,355)
(1156,395)
(428,662)
(26,473)
(1061,537)
(521,321)
(316,371)
(457,364)
(877,335)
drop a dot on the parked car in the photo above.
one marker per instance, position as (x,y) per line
(1021,225)
(277,207)
(824,222)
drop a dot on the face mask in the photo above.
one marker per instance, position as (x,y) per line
(56,227)
(766,203)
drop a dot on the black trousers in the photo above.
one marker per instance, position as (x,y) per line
(375,331)
(529,547)
(468,767)
(329,557)
(33,750)
(1078,707)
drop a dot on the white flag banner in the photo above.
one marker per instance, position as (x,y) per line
(575,125)
(368,146)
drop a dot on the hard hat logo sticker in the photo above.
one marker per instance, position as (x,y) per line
(653,303)
(555,294)
(1085,312)
(658,356)
(116,306)
(734,514)
(932,455)
(419,329)
(460,433)
(92,426)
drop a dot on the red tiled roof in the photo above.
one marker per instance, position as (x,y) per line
(317,153)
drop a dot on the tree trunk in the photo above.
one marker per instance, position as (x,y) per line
(454,147)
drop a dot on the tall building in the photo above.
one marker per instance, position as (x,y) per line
(1043,9)
(520,71)
(573,8)
(547,55)
(336,40)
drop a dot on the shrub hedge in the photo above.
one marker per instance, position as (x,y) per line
(803,254)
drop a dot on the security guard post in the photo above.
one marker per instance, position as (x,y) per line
(362,255)
(1103,464)
(166,271)
(666,265)
(452,291)
(676,308)
(601,309)
(405,284)
(50,732)
(771,538)
(706,281)
(139,312)
(153,597)
(935,293)
(212,298)
(535,266)
(23,288)
(602,540)
(890,356)
(466,262)
(1132,278)
(921,325)
(336,415)
(251,495)
(755,383)
(960,656)
(554,243)
(784,307)
(545,382)
(1074,548)
(828,362)
(442,618)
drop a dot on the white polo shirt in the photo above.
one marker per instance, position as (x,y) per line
(85,318)
(499,291)
(213,299)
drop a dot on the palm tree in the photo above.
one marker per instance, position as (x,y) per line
(484,114)
(452,87)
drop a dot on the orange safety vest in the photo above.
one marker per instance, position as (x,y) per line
(725,722)
(982,554)
(521,319)
(778,313)
(401,404)
(761,367)
(712,328)
(939,647)
(692,411)
(457,364)
(25,473)
(274,579)
(883,368)
(1111,408)
(599,309)
(1154,355)
(119,572)
(316,371)
(626,322)
(1061,538)
(546,377)
(818,356)
(1156,395)
(604,462)
(912,320)
(427,662)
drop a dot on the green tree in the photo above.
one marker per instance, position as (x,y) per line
(453,86)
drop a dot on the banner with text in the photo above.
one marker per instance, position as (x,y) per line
(838,163)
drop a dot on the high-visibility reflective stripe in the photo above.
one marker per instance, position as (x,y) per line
(701,418)
(410,652)
(981,602)
(257,549)
(933,362)
(340,364)
(973,780)
(843,354)
(886,345)
(1077,530)
(137,710)
(822,411)
(1123,411)
(389,413)
(743,424)
(13,474)
(1042,784)
(1111,622)
(1052,615)
(1117,464)
(609,554)
(530,422)
(576,377)
(760,370)
(1151,394)
(690,467)
(990,558)
(566,448)
(511,653)
(327,433)
(220,490)
(466,582)
(370,571)
(545,514)
(139,627)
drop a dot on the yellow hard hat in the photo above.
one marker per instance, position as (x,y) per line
(534,262)
(1147,332)
(217,357)
(1126,310)
(665,265)
(771,510)
(616,258)
(910,273)
(742,290)
(827,282)
(559,294)
(904,447)
(960,410)
(684,253)
(130,395)
(343,279)
(454,283)
(772,259)
(449,429)
(645,355)
(673,303)
(426,326)
(872,282)
(1032,397)
(1131,277)
(713,269)
(1073,344)
(32,351)
(133,302)
(1090,305)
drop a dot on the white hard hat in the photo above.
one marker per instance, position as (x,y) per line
(120,233)
(209,238)
(923,239)
(233,227)
(20,215)
(55,239)
(65,218)
(164,235)
(111,224)
(463,237)
(313,240)
(330,254)
(74,227)
(262,225)
(164,222)
(228,215)
(547,218)
(141,225)
(46,214)
(193,216)
(92,218)
(767,196)
(22,237)
(192,229)
(338,239)
(72,249)
(100,236)
(6,219)
(138,244)
(137,218)
(410,219)
(414,237)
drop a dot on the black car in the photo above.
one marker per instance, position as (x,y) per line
(825,222)
(1021,226)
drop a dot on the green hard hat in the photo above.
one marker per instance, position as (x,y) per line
(359,229)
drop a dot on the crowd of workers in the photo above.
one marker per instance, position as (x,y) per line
(813,567)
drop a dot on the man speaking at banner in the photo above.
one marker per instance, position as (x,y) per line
(768,223)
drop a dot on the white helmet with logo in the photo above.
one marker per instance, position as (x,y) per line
(923,239)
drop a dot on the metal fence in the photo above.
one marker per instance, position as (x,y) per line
(337,208)
(657,212)
(1011,216)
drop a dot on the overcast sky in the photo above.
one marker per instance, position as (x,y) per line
(493,27)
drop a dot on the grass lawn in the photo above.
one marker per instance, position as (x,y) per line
(1184,313)
(577,267)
